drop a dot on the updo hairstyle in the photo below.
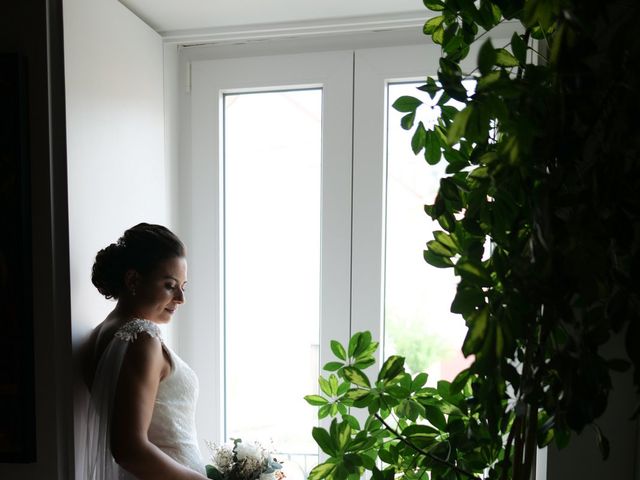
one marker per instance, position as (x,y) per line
(141,248)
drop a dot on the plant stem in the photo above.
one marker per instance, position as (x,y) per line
(517,453)
(424,452)
(530,440)
(507,451)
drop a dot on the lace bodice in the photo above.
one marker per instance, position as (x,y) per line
(172,427)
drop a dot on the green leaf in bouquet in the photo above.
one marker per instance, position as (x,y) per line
(316,400)
(338,350)
(213,473)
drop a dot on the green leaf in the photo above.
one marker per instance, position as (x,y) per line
(343,388)
(439,249)
(447,221)
(324,441)
(213,473)
(333,385)
(432,24)
(432,147)
(435,417)
(430,87)
(478,327)
(446,240)
(406,103)
(391,368)
(505,59)
(352,421)
(324,386)
(343,435)
(437,260)
(562,437)
(519,48)
(413,431)
(364,363)
(459,126)
(438,35)
(356,394)
(338,350)
(333,366)
(467,300)
(418,139)
(474,272)
(487,57)
(434,5)
(324,410)
(406,122)
(356,376)
(321,471)
(419,381)
(316,400)
(364,346)
(460,381)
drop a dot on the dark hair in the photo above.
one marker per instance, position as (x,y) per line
(141,248)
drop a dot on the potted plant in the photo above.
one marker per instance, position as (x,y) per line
(543,165)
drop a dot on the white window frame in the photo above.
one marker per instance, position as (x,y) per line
(203,345)
(354,83)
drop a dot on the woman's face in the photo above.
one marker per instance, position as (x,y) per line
(158,294)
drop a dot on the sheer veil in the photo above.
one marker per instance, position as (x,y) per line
(99,462)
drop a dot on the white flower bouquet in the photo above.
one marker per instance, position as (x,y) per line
(242,461)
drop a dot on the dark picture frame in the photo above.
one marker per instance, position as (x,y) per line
(17,383)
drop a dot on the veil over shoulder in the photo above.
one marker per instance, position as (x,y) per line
(172,426)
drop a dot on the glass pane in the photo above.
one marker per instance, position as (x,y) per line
(272,267)
(418,321)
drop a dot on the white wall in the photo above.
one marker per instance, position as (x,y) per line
(117,172)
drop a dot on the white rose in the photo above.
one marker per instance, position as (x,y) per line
(247,450)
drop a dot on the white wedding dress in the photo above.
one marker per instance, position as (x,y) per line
(172,426)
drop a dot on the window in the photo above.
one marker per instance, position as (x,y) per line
(272,151)
(295,232)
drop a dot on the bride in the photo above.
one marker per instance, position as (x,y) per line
(141,420)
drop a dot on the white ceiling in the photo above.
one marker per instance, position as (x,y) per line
(180,15)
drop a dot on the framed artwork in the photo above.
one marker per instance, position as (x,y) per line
(17,398)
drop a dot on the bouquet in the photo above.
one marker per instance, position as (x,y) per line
(242,461)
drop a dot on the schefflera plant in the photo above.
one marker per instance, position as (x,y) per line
(405,428)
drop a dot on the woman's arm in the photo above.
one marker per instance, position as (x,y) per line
(142,369)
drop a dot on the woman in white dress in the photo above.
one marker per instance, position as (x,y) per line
(141,420)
